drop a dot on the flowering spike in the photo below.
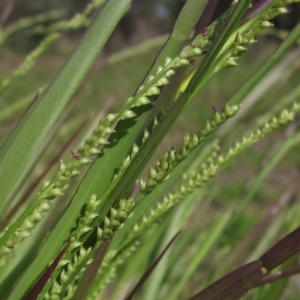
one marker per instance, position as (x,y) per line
(142,101)
(135,150)
(44,206)
(230,62)
(207,127)
(170,73)
(106,222)
(217,117)
(62,166)
(84,230)
(94,151)
(156,123)
(153,91)
(107,233)
(186,139)
(163,81)
(122,216)
(113,212)
(194,140)
(84,161)
(152,173)
(74,245)
(63,276)
(168,60)
(140,88)
(239,38)
(74,173)
(151,77)
(266,24)
(182,62)
(99,233)
(159,69)
(142,185)
(125,163)
(146,136)
(127,115)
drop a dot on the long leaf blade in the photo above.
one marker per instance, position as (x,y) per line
(94,40)
(19,150)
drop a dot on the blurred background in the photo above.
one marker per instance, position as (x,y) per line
(144,20)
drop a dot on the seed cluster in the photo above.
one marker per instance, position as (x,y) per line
(199,176)
(55,188)
(247,38)
(23,232)
(77,257)
(147,93)
(63,286)
(164,166)
(196,178)
(115,219)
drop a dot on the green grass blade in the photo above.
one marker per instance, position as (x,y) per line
(44,113)
(105,168)
(196,83)
(212,236)
(19,105)
(17,153)
(186,22)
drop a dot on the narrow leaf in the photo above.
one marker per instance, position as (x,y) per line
(281,251)
(234,285)
(43,117)
(279,275)
(22,146)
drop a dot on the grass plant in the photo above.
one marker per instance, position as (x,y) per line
(119,215)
